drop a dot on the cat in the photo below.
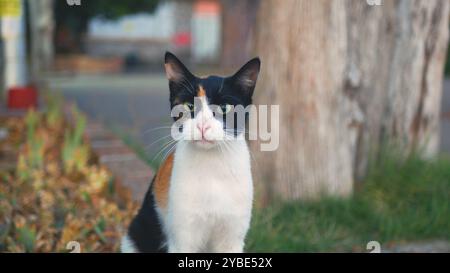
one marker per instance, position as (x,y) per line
(200,199)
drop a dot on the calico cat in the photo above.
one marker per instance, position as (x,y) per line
(200,200)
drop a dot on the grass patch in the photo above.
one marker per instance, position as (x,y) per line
(399,202)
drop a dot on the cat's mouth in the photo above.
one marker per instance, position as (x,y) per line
(204,141)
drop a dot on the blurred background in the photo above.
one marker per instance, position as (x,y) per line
(113,53)
(364,115)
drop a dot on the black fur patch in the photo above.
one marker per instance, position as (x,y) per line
(145,230)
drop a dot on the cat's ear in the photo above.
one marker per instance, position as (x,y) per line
(175,69)
(246,77)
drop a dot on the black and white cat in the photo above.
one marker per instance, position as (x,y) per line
(201,198)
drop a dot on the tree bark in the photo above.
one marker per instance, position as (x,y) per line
(350,78)
(42,25)
(238,20)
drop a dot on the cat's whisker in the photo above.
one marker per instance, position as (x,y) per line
(220,147)
(227,146)
(157,128)
(231,136)
(169,151)
(231,131)
(249,151)
(230,149)
(225,162)
(159,155)
(183,78)
(163,148)
(187,88)
(221,86)
(156,141)
(190,84)
(190,89)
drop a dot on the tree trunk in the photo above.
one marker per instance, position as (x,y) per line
(238,20)
(349,78)
(41,24)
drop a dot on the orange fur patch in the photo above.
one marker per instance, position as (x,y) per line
(162,182)
(201,92)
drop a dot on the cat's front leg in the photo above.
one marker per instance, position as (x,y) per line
(186,234)
(228,237)
(230,245)
(185,243)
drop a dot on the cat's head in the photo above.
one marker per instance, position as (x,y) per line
(210,104)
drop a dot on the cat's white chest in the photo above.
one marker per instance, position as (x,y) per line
(212,188)
(210,196)
(209,180)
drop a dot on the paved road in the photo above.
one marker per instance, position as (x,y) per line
(135,104)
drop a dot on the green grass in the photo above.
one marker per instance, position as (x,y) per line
(398,202)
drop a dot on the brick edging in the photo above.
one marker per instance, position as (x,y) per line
(132,176)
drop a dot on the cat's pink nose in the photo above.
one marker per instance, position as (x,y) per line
(203,128)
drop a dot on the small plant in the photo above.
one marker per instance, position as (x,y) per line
(54,115)
(33,158)
(27,237)
(75,153)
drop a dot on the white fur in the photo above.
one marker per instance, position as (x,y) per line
(210,199)
(127,246)
(211,189)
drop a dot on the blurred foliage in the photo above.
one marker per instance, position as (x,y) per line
(54,115)
(74,152)
(34,142)
(58,192)
(406,201)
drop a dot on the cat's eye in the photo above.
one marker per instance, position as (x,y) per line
(225,108)
(188,106)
